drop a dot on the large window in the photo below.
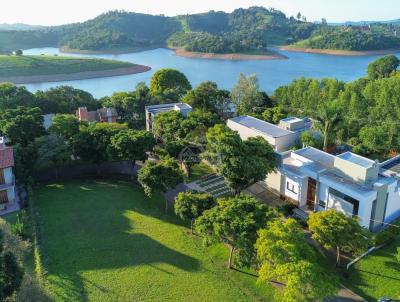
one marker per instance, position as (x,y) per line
(347,198)
(3,197)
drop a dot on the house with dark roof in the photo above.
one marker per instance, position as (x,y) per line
(102,115)
(7,179)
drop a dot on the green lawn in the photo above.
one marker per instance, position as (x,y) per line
(106,241)
(377,275)
(11,66)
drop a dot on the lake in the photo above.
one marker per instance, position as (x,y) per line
(271,73)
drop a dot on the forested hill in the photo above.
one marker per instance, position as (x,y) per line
(249,30)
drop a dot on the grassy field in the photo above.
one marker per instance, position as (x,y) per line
(377,275)
(12,66)
(106,241)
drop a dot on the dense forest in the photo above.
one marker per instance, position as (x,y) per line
(242,31)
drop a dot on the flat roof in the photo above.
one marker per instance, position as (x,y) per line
(318,156)
(163,107)
(292,119)
(392,165)
(357,159)
(261,126)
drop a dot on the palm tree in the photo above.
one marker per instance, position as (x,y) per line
(328,118)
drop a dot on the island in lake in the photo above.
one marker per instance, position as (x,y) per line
(22,69)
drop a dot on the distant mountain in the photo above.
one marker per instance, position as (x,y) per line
(19,26)
(361,23)
(249,30)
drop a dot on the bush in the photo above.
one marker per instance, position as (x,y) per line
(388,235)
(22,226)
(287,209)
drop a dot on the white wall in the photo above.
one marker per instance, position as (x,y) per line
(246,132)
(293,183)
(393,203)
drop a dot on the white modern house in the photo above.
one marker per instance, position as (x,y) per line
(153,110)
(281,137)
(7,179)
(314,180)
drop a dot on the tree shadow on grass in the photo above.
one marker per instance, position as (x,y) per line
(94,234)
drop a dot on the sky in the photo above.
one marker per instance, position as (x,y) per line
(56,12)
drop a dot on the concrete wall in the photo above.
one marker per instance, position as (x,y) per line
(393,203)
(274,181)
(284,143)
(354,171)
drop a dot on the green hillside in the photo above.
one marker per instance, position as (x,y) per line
(12,66)
(242,31)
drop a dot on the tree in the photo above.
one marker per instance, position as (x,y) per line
(383,67)
(234,222)
(130,105)
(12,96)
(274,115)
(240,162)
(25,160)
(52,151)
(311,139)
(169,83)
(190,205)
(12,274)
(246,94)
(19,52)
(65,125)
(333,229)
(207,97)
(21,125)
(93,142)
(166,126)
(328,117)
(132,145)
(64,99)
(298,16)
(161,176)
(285,256)
(398,254)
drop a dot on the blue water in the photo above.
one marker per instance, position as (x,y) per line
(271,73)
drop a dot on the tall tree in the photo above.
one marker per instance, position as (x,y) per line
(328,117)
(53,151)
(65,125)
(240,162)
(383,67)
(333,229)
(12,96)
(161,176)
(285,256)
(21,125)
(170,84)
(246,94)
(234,222)
(132,145)
(189,205)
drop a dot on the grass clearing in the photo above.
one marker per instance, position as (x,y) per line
(377,275)
(106,241)
(13,66)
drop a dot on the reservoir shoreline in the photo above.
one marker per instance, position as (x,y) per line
(338,52)
(77,75)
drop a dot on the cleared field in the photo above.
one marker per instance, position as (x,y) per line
(106,241)
(16,66)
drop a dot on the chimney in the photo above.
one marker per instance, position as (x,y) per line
(2,143)
(82,114)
